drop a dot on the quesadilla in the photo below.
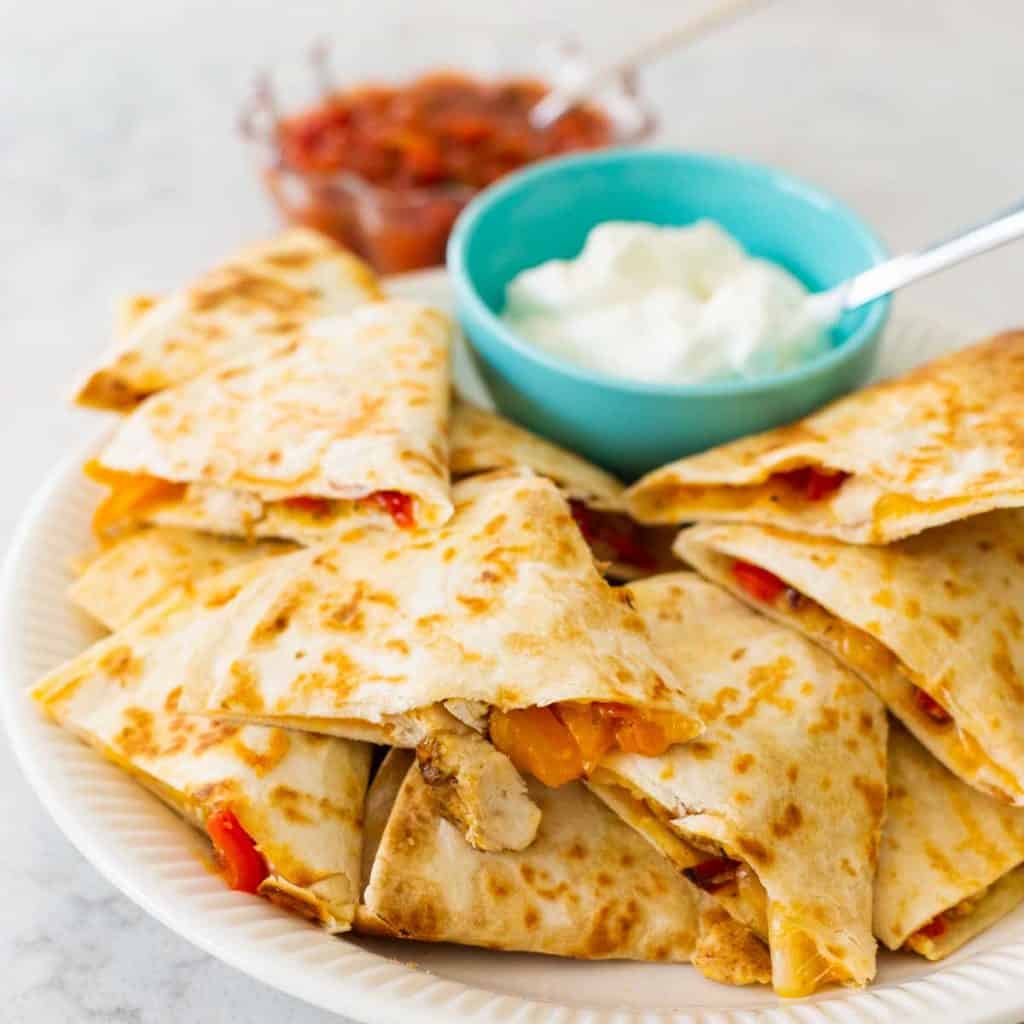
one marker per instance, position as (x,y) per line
(145,568)
(262,294)
(342,426)
(782,797)
(282,809)
(482,441)
(944,442)
(950,863)
(933,624)
(589,887)
(495,625)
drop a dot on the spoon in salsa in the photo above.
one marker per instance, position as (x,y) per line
(559,101)
(828,306)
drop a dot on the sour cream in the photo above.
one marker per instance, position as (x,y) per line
(666,304)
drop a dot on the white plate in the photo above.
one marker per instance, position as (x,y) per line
(155,859)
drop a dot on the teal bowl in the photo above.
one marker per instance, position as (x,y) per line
(631,427)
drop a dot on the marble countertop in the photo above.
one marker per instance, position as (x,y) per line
(122,170)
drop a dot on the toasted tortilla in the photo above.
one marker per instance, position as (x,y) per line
(939,614)
(588,887)
(788,780)
(299,797)
(260,295)
(294,440)
(944,442)
(145,568)
(946,850)
(501,606)
(482,441)
(413,639)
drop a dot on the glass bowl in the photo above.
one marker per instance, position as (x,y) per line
(407,228)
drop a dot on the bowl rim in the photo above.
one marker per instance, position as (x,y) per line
(467,296)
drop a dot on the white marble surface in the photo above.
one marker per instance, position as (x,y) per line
(120,170)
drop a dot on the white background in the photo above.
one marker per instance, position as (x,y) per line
(121,170)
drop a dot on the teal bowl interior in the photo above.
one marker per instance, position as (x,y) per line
(630,427)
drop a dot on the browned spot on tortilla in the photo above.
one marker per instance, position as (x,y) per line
(397,645)
(866,723)
(788,822)
(743,763)
(701,750)
(612,926)
(498,888)
(1002,665)
(950,624)
(912,607)
(121,665)
(531,919)
(244,694)
(576,852)
(347,673)
(475,605)
(828,722)
(218,596)
(754,851)
(873,794)
(347,615)
(793,772)
(884,598)
(279,615)
(136,736)
(1013,622)
(263,762)
(737,654)
(212,735)
(172,700)
(709,711)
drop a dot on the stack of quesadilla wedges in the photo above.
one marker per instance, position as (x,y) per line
(887,528)
(587,887)
(776,809)
(284,810)
(310,547)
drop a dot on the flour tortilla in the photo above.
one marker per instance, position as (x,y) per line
(145,568)
(501,606)
(353,406)
(788,778)
(946,849)
(263,293)
(412,639)
(482,441)
(300,797)
(589,887)
(937,445)
(940,613)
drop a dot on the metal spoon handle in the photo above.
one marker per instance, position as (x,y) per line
(1005,226)
(560,101)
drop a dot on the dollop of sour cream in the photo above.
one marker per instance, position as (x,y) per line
(666,304)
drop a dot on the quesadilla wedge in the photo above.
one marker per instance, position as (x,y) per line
(787,783)
(950,863)
(482,441)
(588,887)
(262,294)
(344,425)
(282,809)
(495,625)
(944,442)
(933,624)
(145,568)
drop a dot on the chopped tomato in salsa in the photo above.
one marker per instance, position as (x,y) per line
(244,866)
(929,706)
(386,169)
(131,495)
(612,534)
(567,740)
(813,483)
(440,128)
(935,928)
(759,583)
(710,875)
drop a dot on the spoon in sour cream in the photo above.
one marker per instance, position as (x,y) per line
(828,306)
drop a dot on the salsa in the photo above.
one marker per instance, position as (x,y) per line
(387,169)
